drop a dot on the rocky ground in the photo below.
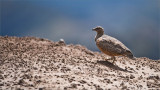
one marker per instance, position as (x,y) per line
(35,63)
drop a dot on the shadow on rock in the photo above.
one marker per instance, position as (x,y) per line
(111,65)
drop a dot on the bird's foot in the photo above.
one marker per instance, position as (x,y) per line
(114,63)
(114,59)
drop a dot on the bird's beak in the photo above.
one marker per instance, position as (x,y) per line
(93,29)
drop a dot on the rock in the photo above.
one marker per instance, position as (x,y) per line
(132,76)
(34,63)
(82,81)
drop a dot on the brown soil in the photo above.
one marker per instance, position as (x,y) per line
(34,63)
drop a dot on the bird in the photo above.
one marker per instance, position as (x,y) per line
(110,45)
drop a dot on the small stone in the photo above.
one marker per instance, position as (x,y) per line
(1,77)
(74,85)
(62,41)
(131,77)
(115,79)
(82,81)
(40,88)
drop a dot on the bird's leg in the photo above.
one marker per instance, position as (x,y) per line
(114,59)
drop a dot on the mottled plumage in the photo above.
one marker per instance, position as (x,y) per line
(109,45)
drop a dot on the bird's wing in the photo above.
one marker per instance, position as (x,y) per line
(111,44)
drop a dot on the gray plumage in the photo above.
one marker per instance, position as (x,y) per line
(109,45)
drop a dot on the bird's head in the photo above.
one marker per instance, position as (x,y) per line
(98,29)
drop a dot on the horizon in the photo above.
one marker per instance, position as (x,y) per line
(136,23)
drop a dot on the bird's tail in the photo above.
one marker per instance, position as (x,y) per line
(130,55)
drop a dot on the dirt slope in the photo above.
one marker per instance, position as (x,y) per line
(34,63)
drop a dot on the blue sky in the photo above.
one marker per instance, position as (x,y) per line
(134,22)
